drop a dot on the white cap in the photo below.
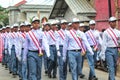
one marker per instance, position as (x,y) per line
(92,22)
(112,19)
(69,24)
(82,24)
(57,21)
(11,26)
(22,24)
(63,21)
(15,25)
(54,22)
(75,20)
(35,19)
(27,23)
(46,23)
(8,26)
(3,27)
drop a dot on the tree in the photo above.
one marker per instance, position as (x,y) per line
(4,19)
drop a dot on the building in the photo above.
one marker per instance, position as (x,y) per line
(69,9)
(102,8)
(26,11)
(86,10)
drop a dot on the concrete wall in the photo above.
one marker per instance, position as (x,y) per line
(69,15)
(13,17)
(30,15)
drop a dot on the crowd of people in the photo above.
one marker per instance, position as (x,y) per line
(60,44)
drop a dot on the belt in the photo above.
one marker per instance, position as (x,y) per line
(34,51)
(60,45)
(92,46)
(113,47)
(52,45)
(76,50)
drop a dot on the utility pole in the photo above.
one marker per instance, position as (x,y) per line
(109,8)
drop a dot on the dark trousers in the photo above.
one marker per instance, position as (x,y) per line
(52,61)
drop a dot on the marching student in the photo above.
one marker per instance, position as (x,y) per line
(34,41)
(60,38)
(5,58)
(110,46)
(3,53)
(25,30)
(95,41)
(8,47)
(46,28)
(53,51)
(14,49)
(82,29)
(21,40)
(73,44)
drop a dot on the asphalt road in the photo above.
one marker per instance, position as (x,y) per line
(4,74)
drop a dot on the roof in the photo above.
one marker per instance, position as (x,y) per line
(20,3)
(59,9)
(40,2)
(78,7)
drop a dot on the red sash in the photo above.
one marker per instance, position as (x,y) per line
(1,47)
(35,41)
(93,39)
(45,33)
(61,34)
(113,36)
(24,35)
(78,41)
(51,33)
(13,35)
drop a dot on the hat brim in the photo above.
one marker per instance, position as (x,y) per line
(76,22)
(35,21)
(112,20)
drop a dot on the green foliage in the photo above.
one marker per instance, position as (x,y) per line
(4,19)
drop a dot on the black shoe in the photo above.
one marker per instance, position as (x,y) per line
(46,72)
(54,76)
(10,72)
(14,76)
(49,75)
(94,78)
(69,70)
(82,75)
(20,78)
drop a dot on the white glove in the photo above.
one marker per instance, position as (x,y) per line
(19,58)
(48,55)
(5,51)
(64,59)
(58,54)
(24,61)
(92,53)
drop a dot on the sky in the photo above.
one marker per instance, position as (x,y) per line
(6,3)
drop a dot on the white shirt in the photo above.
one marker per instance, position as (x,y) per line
(51,37)
(60,37)
(71,44)
(107,39)
(96,35)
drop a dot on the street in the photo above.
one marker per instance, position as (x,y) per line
(4,74)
